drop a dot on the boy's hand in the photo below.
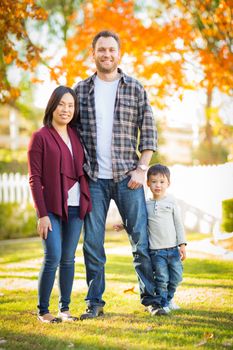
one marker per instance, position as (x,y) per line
(118,227)
(182,250)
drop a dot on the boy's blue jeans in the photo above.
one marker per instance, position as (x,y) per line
(59,250)
(168,270)
(132,207)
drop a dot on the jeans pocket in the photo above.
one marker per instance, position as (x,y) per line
(153,253)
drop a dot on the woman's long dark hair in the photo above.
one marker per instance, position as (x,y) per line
(53,102)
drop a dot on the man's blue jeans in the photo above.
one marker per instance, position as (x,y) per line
(132,207)
(168,270)
(59,250)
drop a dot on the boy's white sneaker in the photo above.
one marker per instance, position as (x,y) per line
(173,306)
(167,309)
(65,316)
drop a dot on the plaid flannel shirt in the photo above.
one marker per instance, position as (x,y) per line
(132,114)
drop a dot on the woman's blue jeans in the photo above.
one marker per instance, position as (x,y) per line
(132,207)
(59,250)
(168,270)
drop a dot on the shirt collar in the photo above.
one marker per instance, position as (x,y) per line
(123,77)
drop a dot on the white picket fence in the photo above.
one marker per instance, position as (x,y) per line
(203,187)
(14,188)
(199,189)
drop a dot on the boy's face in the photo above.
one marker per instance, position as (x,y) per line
(158,185)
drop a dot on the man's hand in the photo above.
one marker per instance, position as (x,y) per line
(182,252)
(44,224)
(118,227)
(137,178)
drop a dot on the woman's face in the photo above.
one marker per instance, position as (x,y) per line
(64,112)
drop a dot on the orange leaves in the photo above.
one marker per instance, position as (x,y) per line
(215,34)
(55,74)
(35,80)
(16,45)
(8,93)
(156,54)
(10,57)
(13,14)
(150,50)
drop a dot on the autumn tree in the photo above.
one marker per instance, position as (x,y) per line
(212,21)
(16,46)
(210,50)
(150,52)
(62,17)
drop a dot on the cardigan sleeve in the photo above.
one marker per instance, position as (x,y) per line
(35,167)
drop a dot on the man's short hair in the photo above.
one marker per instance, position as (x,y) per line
(106,34)
(159,169)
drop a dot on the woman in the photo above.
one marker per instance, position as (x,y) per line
(61,196)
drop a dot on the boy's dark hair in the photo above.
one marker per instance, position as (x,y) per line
(159,169)
(53,102)
(106,34)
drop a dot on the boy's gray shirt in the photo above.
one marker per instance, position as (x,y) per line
(164,223)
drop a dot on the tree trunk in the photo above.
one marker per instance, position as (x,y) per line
(208,137)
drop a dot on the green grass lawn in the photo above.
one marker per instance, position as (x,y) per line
(205,320)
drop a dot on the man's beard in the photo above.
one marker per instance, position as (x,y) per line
(101,69)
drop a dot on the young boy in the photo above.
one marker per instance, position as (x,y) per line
(166,236)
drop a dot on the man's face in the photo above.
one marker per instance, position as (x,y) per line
(106,55)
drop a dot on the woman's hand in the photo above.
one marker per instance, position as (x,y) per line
(43,225)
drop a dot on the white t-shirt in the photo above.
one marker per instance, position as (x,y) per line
(74,191)
(105,96)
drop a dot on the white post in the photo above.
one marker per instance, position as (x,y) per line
(25,189)
(18,188)
(1,189)
(14,130)
(12,187)
(5,192)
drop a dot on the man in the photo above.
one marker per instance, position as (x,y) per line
(113,108)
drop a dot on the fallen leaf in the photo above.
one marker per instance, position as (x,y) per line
(130,290)
(208,335)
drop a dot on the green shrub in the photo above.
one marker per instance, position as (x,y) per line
(17,220)
(13,167)
(13,161)
(227,215)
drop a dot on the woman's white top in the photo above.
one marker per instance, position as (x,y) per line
(74,191)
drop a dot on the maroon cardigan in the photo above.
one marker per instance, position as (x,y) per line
(53,171)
